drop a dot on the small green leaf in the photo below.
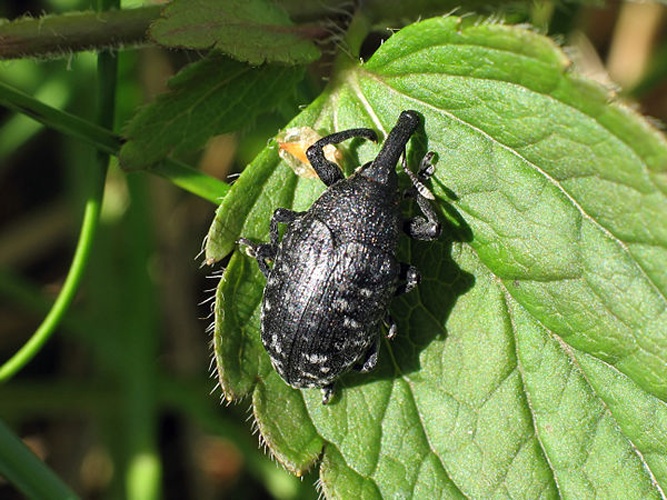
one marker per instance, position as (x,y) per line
(532,360)
(253,31)
(212,96)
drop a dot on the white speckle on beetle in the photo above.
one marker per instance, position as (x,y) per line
(275,344)
(277,363)
(351,323)
(341,304)
(315,358)
(282,268)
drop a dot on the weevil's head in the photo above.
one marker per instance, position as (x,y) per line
(383,168)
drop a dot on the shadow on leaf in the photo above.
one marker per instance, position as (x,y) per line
(421,315)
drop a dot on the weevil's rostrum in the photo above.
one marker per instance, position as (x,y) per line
(335,270)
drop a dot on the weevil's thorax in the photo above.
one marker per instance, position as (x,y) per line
(360,209)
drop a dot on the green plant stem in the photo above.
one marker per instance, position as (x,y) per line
(60,35)
(139,335)
(104,140)
(63,122)
(354,38)
(82,253)
(143,473)
(192,180)
(70,286)
(28,473)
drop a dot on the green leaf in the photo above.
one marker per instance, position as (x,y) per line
(532,360)
(253,31)
(212,96)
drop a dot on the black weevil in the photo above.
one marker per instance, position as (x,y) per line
(335,270)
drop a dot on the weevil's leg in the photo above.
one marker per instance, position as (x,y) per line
(370,358)
(426,167)
(424,227)
(266,252)
(392,329)
(327,170)
(328,392)
(281,216)
(411,277)
(426,170)
(262,252)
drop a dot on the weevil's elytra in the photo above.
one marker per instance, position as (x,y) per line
(335,270)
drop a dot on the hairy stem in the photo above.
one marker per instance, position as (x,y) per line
(59,35)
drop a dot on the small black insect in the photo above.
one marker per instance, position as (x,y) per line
(335,270)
